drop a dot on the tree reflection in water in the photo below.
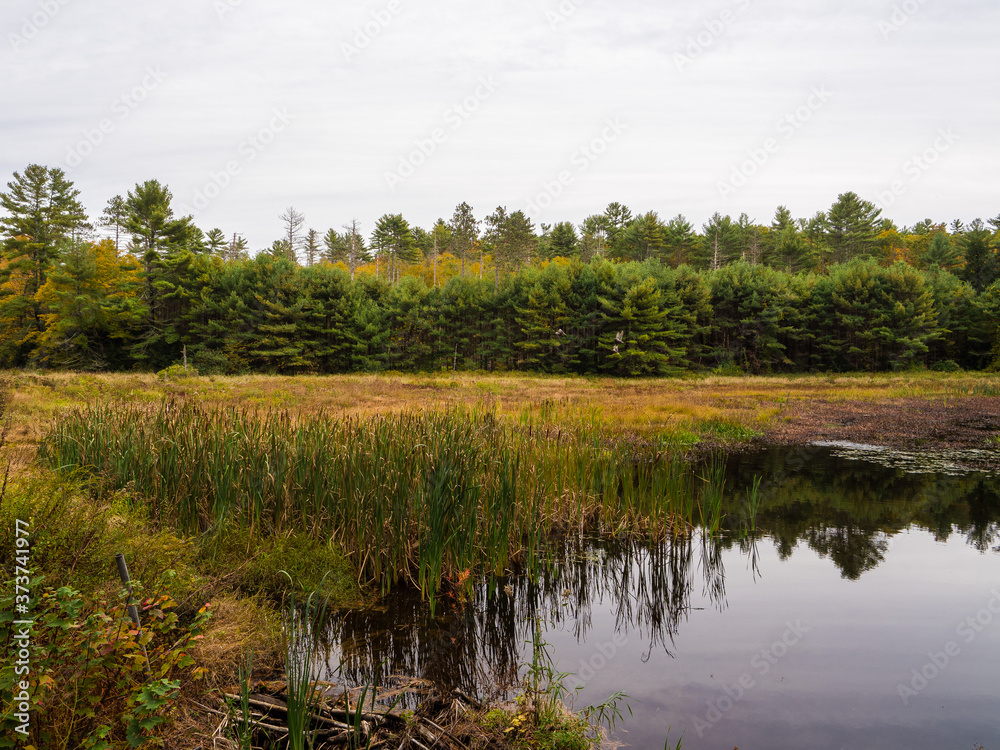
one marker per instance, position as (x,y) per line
(844,510)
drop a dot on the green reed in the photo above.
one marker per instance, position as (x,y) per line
(415,497)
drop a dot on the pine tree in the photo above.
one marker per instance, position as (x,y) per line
(464,233)
(114,218)
(43,214)
(941,253)
(543,319)
(785,248)
(91,307)
(347,248)
(393,239)
(644,238)
(616,218)
(680,242)
(721,242)
(593,237)
(215,241)
(638,335)
(852,227)
(563,241)
(310,247)
(982,265)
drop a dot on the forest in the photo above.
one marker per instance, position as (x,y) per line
(623,293)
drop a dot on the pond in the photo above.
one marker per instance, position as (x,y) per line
(859,607)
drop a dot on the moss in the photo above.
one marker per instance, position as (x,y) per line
(253,565)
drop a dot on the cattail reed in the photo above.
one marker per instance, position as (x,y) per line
(414,497)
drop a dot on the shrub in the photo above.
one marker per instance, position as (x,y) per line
(95,681)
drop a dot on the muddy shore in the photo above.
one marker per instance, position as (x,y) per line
(969,425)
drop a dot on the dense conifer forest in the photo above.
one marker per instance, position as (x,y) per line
(623,293)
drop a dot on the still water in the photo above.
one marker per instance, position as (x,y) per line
(859,608)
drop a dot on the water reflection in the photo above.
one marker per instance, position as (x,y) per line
(846,511)
(477,644)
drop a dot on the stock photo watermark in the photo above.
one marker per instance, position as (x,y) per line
(562,13)
(918,165)
(938,661)
(21,627)
(364,35)
(900,16)
(225,7)
(697,44)
(604,653)
(31,26)
(249,149)
(454,118)
(786,127)
(122,106)
(760,664)
(581,159)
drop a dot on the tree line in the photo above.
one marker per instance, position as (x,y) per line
(621,294)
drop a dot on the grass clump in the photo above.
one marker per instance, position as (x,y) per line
(403,494)
(252,565)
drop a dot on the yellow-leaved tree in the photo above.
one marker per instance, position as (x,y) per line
(91,307)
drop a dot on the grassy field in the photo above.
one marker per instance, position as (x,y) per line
(704,407)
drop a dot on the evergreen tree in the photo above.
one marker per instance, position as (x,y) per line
(91,307)
(347,248)
(43,214)
(941,253)
(680,242)
(852,228)
(464,233)
(982,266)
(563,241)
(497,239)
(543,319)
(310,247)
(410,308)
(756,316)
(874,318)
(616,218)
(640,337)
(751,240)
(644,238)
(150,220)
(438,241)
(785,247)
(721,242)
(281,249)
(594,237)
(215,241)
(114,219)
(394,241)
(521,237)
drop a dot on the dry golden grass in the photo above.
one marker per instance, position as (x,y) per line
(239,626)
(648,406)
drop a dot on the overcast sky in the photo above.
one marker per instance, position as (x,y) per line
(352,110)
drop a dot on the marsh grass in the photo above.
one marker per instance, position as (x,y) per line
(415,497)
(302,693)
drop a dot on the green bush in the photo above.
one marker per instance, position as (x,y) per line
(95,681)
(948,365)
(177,372)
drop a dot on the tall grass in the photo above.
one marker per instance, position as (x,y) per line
(416,497)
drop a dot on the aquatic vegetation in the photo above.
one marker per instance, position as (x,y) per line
(415,497)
